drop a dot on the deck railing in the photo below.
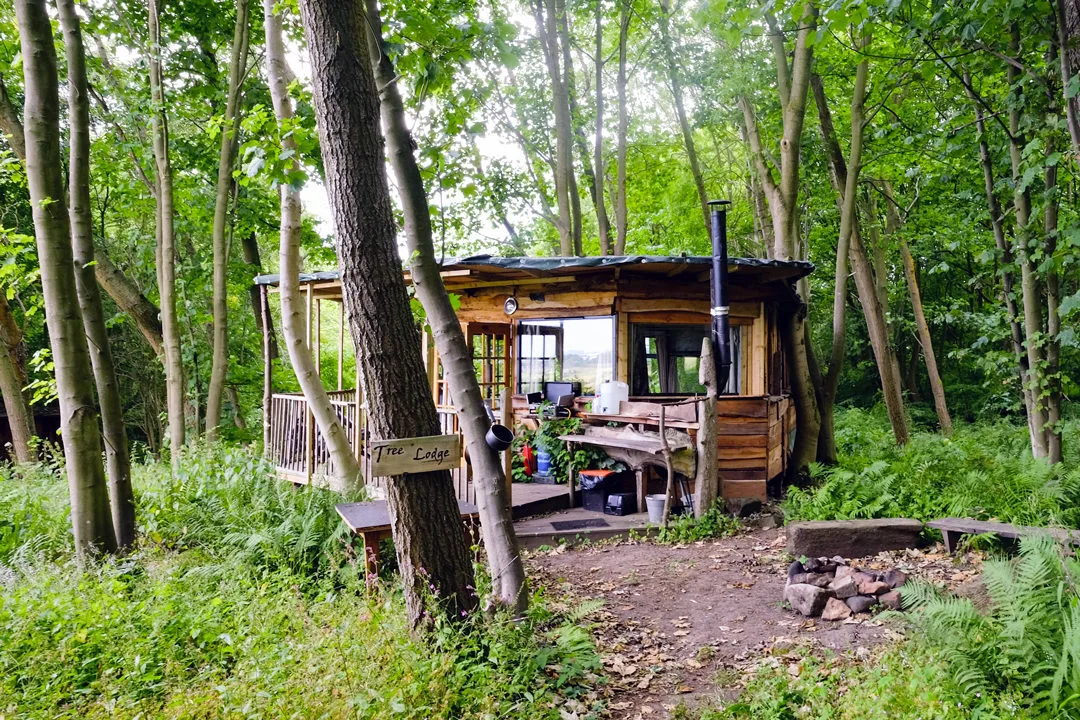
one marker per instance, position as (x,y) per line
(300,453)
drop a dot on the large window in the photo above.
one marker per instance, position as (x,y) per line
(566,350)
(665,359)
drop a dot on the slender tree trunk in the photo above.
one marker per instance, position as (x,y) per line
(1054,452)
(564,167)
(230,130)
(793,85)
(997,223)
(848,191)
(249,243)
(496,520)
(1029,281)
(1068,41)
(117,460)
(598,145)
(346,469)
(12,383)
(12,342)
(937,388)
(130,299)
(170,328)
(90,516)
(431,547)
(562,35)
(675,82)
(624,117)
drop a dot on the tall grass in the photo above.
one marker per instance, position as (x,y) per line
(242,600)
(985,471)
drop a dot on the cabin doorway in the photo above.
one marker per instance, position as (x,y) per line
(491,344)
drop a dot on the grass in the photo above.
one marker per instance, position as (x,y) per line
(243,599)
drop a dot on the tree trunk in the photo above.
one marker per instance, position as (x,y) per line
(847,191)
(130,299)
(680,111)
(620,88)
(869,296)
(12,383)
(793,85)
(598,145)
(12,342)
(346,469)
(431,548)
(496,521)
(562,33)
(1068,41)
(117,460)
(90,516)
(250,245)
(230,130)
(997,217)
(1029,281)
(564,165)
(170,328)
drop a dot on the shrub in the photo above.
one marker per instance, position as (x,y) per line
(713,523)
(983,471)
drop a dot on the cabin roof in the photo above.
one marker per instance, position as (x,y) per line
(463,272)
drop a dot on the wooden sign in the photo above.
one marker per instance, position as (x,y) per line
(415,455)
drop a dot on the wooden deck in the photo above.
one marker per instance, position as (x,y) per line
(578,524)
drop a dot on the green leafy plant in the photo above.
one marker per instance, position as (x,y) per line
(714,523)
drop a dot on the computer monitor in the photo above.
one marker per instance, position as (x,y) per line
(555,390)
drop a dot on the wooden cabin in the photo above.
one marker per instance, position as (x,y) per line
(636,319)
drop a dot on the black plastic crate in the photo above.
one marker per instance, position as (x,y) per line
(621,504)
(593,500)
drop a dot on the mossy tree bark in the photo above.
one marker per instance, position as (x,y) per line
(431,547)
(117,459)
(90,516)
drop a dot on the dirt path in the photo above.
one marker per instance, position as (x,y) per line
(681,623)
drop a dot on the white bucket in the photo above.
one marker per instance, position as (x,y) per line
(655,506)
(610,395)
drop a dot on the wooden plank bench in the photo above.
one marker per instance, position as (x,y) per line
(371,521)
(953,528)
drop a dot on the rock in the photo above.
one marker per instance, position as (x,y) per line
(796,568)
(839,560)
(852,538)
(860,603)
(861,577)
(843,571)
(835,610)
(891,600)
(813,564)
(817,579)
(895,578)
(808,600)
(874,587)
(844,587)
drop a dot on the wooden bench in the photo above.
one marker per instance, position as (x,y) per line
(371,521)
(953,528)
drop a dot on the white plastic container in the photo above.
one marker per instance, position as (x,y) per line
(609,395)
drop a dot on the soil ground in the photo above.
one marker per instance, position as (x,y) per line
(682,624)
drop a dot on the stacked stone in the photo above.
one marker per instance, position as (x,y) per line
(834,590)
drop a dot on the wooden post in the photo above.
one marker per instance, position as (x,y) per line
(268,370)
(318,337)
(309,419)
(707,481)
(341,350)
(358,426)
(670,492)
(570,473)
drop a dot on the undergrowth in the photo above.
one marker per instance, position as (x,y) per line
(242,600)
(714,523)
(984,471)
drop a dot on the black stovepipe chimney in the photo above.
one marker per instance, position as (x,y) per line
(721,334)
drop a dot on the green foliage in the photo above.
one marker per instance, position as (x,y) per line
(1026,643)
(715,523)
(243,599)
(984,471)
(546,437)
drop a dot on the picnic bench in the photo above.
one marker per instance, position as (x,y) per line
(371,521)
(953,528)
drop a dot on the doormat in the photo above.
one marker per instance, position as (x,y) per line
(579,524)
